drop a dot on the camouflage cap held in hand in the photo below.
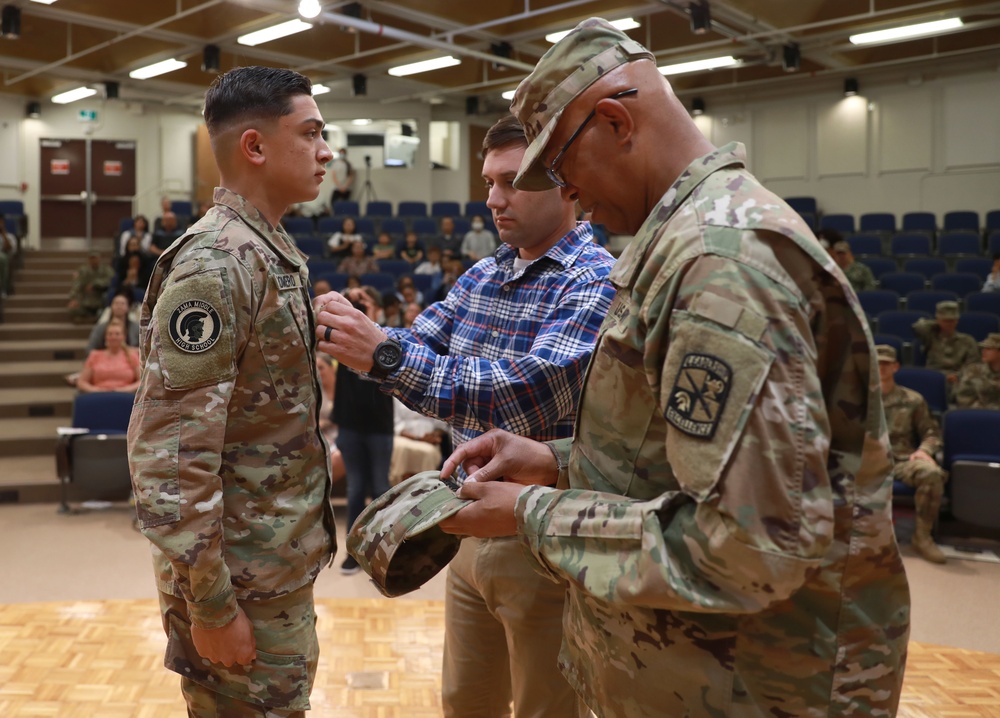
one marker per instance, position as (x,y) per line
(590,51)
(396,539)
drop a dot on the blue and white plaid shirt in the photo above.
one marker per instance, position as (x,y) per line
(509,349)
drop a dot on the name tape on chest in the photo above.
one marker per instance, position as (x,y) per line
(195,326)
(287,281)
(699,395)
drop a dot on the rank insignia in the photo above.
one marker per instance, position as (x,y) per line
(699,395)
(195,326)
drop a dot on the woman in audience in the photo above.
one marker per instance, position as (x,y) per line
(340,242)
(358,264)
(412,250)
(407,291)
(140,231)
(114,368)
(134,267)
(433,267)
(118,311)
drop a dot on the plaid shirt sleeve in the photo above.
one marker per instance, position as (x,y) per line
(509,352)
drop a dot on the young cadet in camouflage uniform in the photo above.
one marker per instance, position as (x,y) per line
(915,438)
(230,470)
(722,514)
(945,349)
(978,385)
(859,275)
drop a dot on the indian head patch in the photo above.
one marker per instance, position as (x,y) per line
(699,395)
(194,326)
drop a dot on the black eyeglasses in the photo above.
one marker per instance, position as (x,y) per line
(551,171)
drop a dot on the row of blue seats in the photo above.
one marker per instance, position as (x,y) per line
(886,221)
(382,281)
(395,267)
(956,243)
(899,322)
(929,267)
(325,226)
(875,301)
(350,208)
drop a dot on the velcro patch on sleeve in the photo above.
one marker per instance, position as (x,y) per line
(194,317)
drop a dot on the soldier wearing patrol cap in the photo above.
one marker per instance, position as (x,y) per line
(916,439)
(230,470)
(945,348)
(859,275)
(978,385)
(726,532)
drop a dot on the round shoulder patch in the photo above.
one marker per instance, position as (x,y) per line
(195,326)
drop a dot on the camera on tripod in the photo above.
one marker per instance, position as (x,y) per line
(368,160)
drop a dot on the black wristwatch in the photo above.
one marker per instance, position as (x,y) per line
(387,357)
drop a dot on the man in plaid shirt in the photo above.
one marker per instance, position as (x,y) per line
(507,348)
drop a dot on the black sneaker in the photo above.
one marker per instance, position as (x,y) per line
(349,567)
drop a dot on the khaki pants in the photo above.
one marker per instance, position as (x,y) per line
(503,632)
(276,685)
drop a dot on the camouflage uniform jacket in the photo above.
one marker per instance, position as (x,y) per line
(99,279)
(978,387)
(860,276)
(909,419)
(945,353)
(726,535)
(230,470)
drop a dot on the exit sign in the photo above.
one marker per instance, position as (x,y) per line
(87,115)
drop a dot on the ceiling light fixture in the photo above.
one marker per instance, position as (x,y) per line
(211,59)
(906,32)
(157,68)
(701,17)
(79,93)
(712,63)
(309,8)
(697,106)
(320,90)
(360,122)
(259,37)
(44,2)
(10,25)
(626,23)
(791,57)
(34,110)
(424,66)
(850,87)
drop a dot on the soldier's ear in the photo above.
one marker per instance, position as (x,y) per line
(250,146)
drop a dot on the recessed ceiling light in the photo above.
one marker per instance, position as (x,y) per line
(361,122)
(509,95)
(44,2)
(285,29)
(712,63)
(424,66)
(626,23)
(157,68)
(906,32)
(73,95)
(309,8)
(320,90)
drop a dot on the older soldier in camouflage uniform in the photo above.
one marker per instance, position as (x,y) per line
(859,275)
(978,385)
(946,349)
(230,470)
(722,515)
(910,421)
(90,284)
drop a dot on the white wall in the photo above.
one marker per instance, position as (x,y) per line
(933,147)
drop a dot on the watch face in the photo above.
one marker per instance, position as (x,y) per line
(388,355)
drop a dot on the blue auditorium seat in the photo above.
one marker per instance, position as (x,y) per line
(395,267)
(926,266)
(328,225)
(312,246)
(983,302)
(337,280)
(959,242)
(803,204)
(971,435)
(961,220)
(364,225)
(866,245)
(876,301)
(346,208)
(978,324)
(376,208)
(920,222)
(961,284)
(992,220)
(382,281)
(395,227)
(298,225)
(929,383)
(879,265)
(425,225)
(445,209)
(993,242)
(318,266)
(900,323)
(181,208)
(910,244)
(411,209)
(877,222)
(980,266)
(902,282)
(843,223)
(926,300)
(474,208)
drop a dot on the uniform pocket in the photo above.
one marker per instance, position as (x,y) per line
(154,444)
(285,357)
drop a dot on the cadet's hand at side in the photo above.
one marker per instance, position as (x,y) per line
(491,515)
(232,644)
(498,454)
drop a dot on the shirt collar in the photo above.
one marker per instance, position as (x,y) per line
(566,251)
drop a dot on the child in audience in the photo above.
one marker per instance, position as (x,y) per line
(384,248)
(411,250)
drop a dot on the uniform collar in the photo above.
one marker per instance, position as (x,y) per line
(275,237)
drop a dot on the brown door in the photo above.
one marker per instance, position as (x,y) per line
(87,186)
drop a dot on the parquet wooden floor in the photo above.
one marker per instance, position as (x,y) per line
(381,659)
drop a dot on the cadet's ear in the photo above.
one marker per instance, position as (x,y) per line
(250,146)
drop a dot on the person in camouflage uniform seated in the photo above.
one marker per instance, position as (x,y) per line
(90,285)
(859,275)
(945,349)
(916,438)
(723,513)
(230,469)
(978,385)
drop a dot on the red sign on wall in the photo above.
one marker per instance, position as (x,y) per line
(59,167)
(112,168)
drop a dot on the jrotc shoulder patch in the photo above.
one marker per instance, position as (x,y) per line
(195,326)
(699,395)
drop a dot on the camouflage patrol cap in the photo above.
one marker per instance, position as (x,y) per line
(587,53)
(841,246)
(396,539)
(885,352)
(992,341)
(946,310)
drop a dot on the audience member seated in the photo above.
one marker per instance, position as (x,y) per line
(90,284)
(828,237)
(134,268)
(165,205)
(407,291)
(453,269)
(910,421)
(432,266)
(140,229)
(449,241)
(944,348)
(410,312)
(118,311)
(392,309)
(7,250)
(320,286)
(166,234)
(203,208)
(416,446)
(858,274)
(978,385)
(411,250)
(479,242)
(358,262)
(326,368)
(384,248)
(339,244)
(114,368)
(992,283)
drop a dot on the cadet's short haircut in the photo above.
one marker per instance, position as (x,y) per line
(505,132)
(252,93)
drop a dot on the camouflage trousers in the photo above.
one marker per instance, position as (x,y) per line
(276,685)
(928,479)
